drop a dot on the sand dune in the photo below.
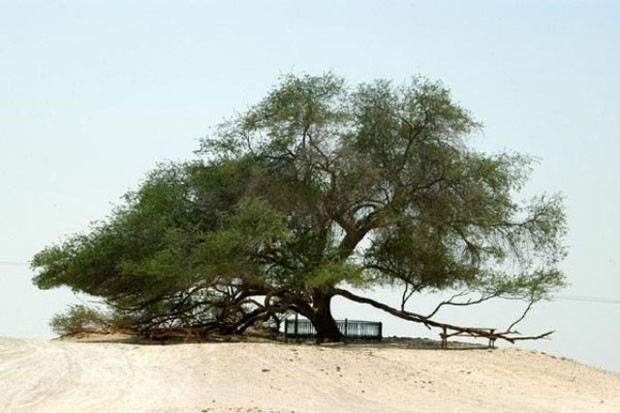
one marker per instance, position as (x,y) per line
(60,376)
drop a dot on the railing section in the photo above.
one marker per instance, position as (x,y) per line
(350,329)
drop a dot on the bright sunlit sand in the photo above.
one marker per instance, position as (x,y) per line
(402,376)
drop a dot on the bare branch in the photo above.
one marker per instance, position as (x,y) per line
(458,330)
(450,301)
(407,293)
(517,321)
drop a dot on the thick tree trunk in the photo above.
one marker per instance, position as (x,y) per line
(322,319)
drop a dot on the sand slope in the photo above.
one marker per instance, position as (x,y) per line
(57,376)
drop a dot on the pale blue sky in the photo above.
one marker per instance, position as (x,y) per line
(94,94)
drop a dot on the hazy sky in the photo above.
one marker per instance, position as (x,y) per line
(94,93)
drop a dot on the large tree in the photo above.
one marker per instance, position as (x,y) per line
(318,188)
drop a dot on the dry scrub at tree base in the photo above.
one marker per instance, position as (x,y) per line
(395,376)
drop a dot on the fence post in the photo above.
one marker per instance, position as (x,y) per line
(380,331)
(346,327)
(296,328)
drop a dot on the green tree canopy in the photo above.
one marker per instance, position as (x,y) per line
(318,188)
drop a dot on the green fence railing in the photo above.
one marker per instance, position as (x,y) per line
(350,329)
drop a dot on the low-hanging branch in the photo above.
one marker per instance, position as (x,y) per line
(508,335)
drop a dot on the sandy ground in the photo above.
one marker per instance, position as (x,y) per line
(61,376)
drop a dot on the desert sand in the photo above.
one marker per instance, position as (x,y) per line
(62,376)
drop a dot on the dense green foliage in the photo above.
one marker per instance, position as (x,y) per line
(317,188)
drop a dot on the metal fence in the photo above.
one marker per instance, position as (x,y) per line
(350,329)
